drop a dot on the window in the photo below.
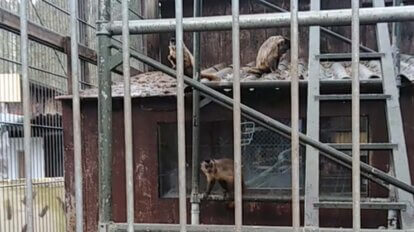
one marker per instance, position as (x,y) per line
(265,156)
(335,179)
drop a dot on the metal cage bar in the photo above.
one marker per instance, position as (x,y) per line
(254,21)
(195,200)
(105,114)
(356,174)
(180,114)
(311,214)
(129,165)
(294,47)
(27,115)
(332,17)
(276,126)
(236,115)
(77,140)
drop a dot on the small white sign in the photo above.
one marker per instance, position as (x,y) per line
(10,90)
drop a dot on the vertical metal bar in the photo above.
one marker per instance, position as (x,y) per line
(128,118)
(311,214)
(27,115)
(294,33)
(104,114)
(195,201)
(77,143)
(394,122)
(236,115)
(356,209)
(396,34)
(181,115)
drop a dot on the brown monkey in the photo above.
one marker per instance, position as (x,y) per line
(221,171)
(269,54)
(188,61)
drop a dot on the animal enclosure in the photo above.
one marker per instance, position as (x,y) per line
(100,132)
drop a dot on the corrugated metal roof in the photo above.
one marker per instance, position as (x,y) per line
(143,85)
(159,84)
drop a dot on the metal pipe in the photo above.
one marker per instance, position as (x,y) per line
(396,35)
(323,29)
(77,141)
(236,116)
(356,174)
(274,125)
(129,160)
(195,201)
(104,114)
(254,21)
(181,115)
(294,89)
(118,227)
(27,115)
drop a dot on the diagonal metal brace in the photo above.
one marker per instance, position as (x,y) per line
(274,125)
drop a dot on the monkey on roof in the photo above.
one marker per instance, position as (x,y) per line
(269,54)
(188,61)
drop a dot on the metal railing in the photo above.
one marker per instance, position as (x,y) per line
(235,22)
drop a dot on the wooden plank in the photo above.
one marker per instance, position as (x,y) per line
(42,35)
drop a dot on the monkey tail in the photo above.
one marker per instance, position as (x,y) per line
(254,70)
(210,77)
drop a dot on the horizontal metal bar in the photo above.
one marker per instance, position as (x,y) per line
(335,97)
(255,21)
(347,56)
(274,125)
(283,195)
(364,146)
(364,205)
(286,83)
(32,125)
(118,227)
(323,29)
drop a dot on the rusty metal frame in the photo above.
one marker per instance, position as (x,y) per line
(338,17)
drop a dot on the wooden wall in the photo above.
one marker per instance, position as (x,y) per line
(216,46)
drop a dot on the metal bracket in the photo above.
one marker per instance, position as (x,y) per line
(102,28)
(103,227)
(205,102)
(115,61)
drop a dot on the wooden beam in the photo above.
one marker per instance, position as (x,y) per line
(42,35)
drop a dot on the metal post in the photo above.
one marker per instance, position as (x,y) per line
(236,115)
(77,142)
(294,34)
(340,17)
(104,114)
(267,122)
(195,201)
(27,115)
(356,175)
(129,161)
(396,34)
(181,115)
(311,214)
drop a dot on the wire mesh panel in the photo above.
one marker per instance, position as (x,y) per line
(47,75)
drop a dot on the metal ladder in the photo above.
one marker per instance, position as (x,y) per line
(399,201)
